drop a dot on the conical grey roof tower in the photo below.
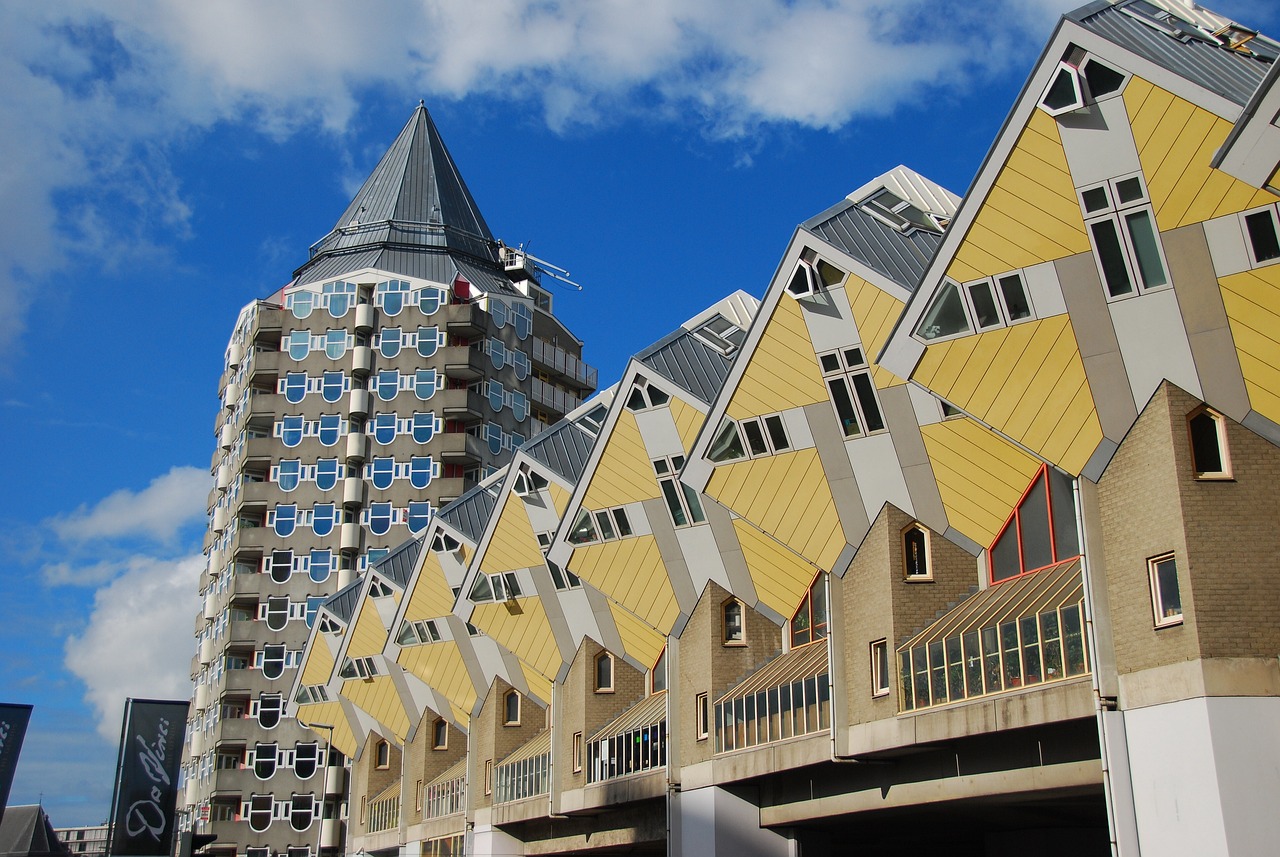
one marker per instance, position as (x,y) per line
(414,215)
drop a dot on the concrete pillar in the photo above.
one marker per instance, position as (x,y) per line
(714,822)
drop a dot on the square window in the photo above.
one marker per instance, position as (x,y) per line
(1165,596)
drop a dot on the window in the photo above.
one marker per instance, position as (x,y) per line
(1125,241)
(362,668)
(1040,532)
(701,710)
(444,543)
(563,578)
(301,812)
(321,565)
(604,673)
(260,810)
(1064,92)
(915,553)
(270,706)
(275,612)
(644,396)
(511,708)
(272,656)
(682,501)
(757,437)
(306,760)
(488,776)
(985,304)
(1165,597)
(721,334)
(528,482)
(502,586)
(264,761)
(1208,432)
(880,668)
(848,379)
(658,675)
(418,632)
(577,752)
(810,621)
(732,623)
(727,445)
(812,275)
(440,734)
(886,206)
(946,315)
(1263,233)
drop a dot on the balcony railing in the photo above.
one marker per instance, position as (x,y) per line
(563,363)
(384,811)
(634,743)
(789,697)
(553,397)
(1026,632)
(526,772)
(446,795)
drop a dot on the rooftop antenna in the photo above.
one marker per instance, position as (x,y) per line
(553,271)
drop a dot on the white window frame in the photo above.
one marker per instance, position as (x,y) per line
(844,373)
(675,491)
(1160,610)
(1272,211)
(1224,452)
(881,667)
(1117,214)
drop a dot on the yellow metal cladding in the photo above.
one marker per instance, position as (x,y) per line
(632,573)
(639,640)
(980,475)
(875,311)
(688,420)
(431,597)
(539,685)
(559,498)
(1252,300)
(319,666)
(441,667)
(624,474)
(1176,142)
(783,371)
(1027,381)
(797,510)
(1031,213)
(331,713)
(522,628)
(378,698)
(781,577)
(368,637)
(513,544)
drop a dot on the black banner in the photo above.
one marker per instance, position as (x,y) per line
(145,805)
(13,727)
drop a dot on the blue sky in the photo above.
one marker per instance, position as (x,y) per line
(161,164)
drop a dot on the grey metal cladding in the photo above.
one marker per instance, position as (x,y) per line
(563,448)
(1228,73)
(688,362)
(470,512)
(901,258)
(485,279)
(398,565)
(343,602)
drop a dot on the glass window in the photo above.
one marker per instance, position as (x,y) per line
(915,550)
(301,303)
(330,428)
(280,566)
(1264,240)
(430,299)
(511,708)
(425,383)
(323,517)
(389,342)
(880,668)
(421,471)
(946,316)
(270,706)
(327,472)
(298,344)
(272,660)
(424,427)
(1209,458)
(1063,93)
(1166,598)
(382,472)
(387,384)
(335,343)
(733,632)
(428,341)
(306,759)
(379,518)
(295,387)
(384,428)
(810,620)
(853,394)
(291,431)
(332,386)
(321,565)
(288,473)
(286,516)
(727,445)
(604,672)
(260,808)
(1040,532)
(440,734)
(418,516)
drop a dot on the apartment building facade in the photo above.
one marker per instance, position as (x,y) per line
(402,363)
(962,542)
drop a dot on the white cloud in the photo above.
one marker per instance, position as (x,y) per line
(156,512)
(138,641)
(94,93)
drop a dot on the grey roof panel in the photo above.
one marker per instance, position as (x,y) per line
(1228,73)
(901,258)
(470,512)
(27,832)
(415,199)
(563,448)
(688,362)
(398,565)
(343,602)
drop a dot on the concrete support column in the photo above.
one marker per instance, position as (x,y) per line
(714,822)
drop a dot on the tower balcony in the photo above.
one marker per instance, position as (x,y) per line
(460,448)
(461,405)
(462,362)
(563,366)
(464,319)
